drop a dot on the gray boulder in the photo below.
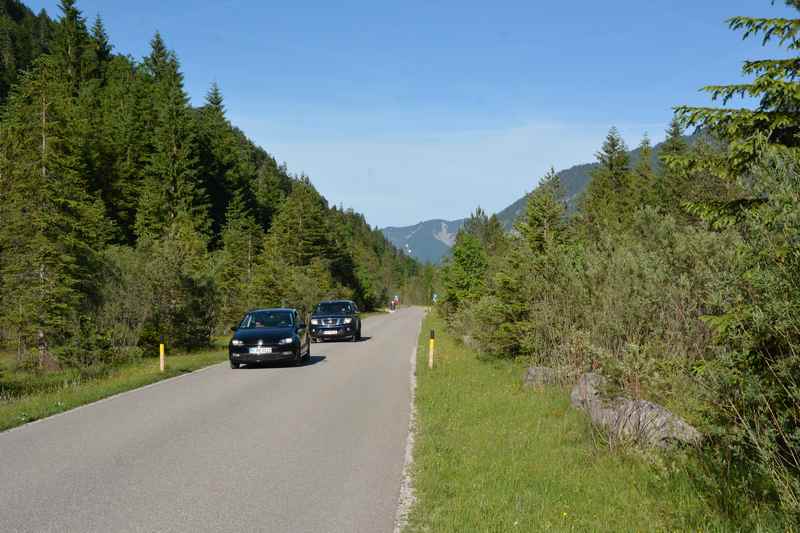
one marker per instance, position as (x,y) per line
(639,421)
(587,391)
(650,424)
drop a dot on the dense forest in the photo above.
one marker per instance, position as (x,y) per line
(680,281)
(128,215)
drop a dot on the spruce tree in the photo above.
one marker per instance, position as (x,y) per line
(52,223)
(607,199)
(241,240)
(672,183)
(100,47)
(171,189)
(463,277)
(643,178)
(774,85)
(300,231)
(542,224)
(71,43)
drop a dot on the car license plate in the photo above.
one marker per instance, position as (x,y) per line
(260,350)
(330,332)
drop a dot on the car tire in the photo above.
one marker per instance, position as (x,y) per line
(234,365)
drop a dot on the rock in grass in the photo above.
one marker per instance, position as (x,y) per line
(651,424)
(638,421)
(539,376)
(587,391)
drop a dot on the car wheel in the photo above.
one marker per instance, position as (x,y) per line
(234,365)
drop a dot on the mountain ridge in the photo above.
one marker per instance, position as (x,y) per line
(424,240)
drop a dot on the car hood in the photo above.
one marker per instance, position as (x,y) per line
(265,335)
(315,315)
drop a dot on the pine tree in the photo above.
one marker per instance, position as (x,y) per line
(607,199)
(672,183)
(643,178)
(54,226)
(222,158)
(214,99)
(71,43)
(100,47)
(300,231)
(171,188)
(241,239)
(542,224)
(775,86)
(463,277)
(488,230)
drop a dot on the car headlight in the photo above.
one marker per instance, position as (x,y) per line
(314,322)
(237,342)
(348,320)
(287,340)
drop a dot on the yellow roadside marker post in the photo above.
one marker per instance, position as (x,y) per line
(431,346)
(162,360)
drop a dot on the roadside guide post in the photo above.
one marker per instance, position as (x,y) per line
(431,346)
(162,362)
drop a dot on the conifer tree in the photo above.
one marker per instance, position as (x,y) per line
(242,239)
(71,43)
(54,226)
(300,232)
(607,199)
(672,183)
(542,224)
(775,85)
(463,275)
(643,178)
(488,230)
(100,47)
(171,188)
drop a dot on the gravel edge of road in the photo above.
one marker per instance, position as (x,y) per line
(407,498)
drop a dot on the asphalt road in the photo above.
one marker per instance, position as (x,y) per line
(314,448)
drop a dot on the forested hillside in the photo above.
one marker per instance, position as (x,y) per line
(24,36)
(126,214)
(680,282)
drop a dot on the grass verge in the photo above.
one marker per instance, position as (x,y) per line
(66,390)
(491,456)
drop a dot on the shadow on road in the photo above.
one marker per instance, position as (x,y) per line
(283,364)
(363,339)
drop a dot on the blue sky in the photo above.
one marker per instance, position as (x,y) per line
(413,110)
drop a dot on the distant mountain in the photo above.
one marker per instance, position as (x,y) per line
(431,240)
(428,241)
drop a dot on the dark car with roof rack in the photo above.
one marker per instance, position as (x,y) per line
(336,319)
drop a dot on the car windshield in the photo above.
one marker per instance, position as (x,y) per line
(333,308)
(266,319)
